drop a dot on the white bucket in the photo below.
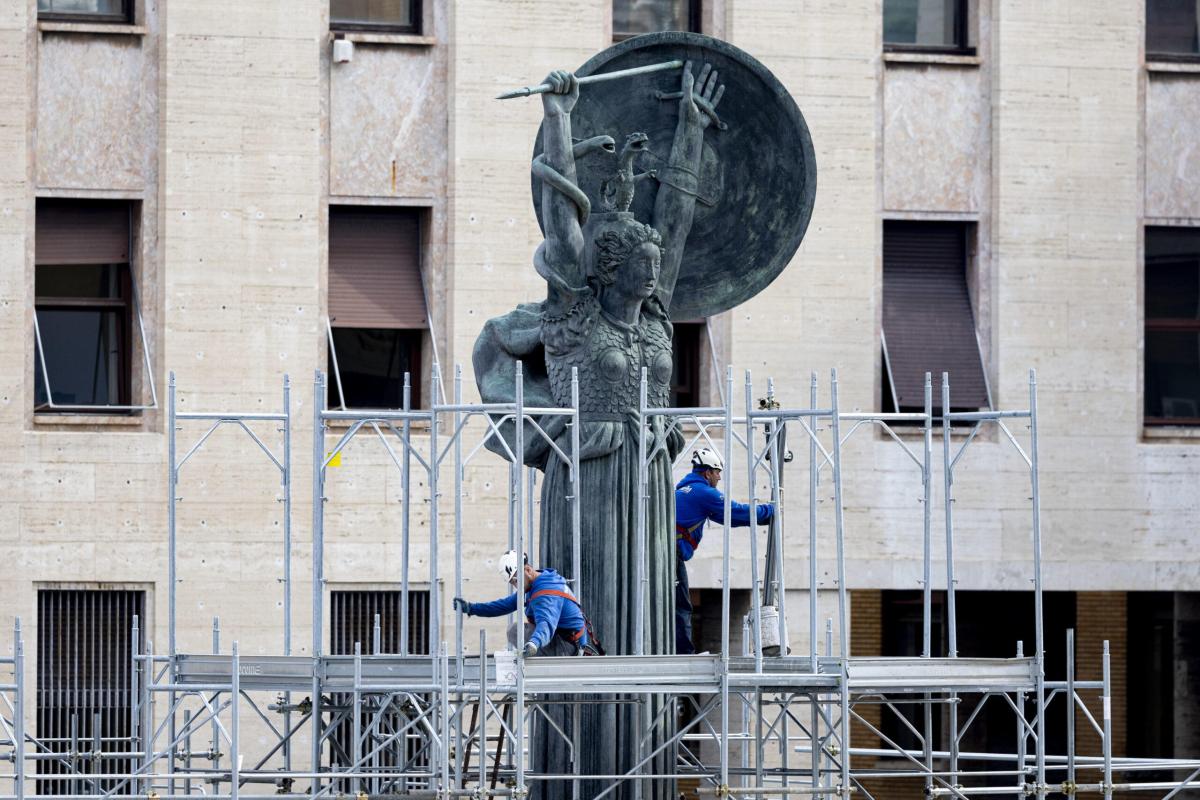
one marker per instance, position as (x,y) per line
(768,617)
(506,667)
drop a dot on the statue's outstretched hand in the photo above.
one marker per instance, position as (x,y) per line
(701,96)
(563,94)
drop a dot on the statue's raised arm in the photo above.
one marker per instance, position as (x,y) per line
(679,181)
(560,258)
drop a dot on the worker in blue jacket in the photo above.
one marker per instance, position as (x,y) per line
(554,624)
(697,500)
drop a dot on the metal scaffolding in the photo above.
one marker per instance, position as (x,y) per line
(458,721)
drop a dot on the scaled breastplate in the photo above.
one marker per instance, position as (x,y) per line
(609,356)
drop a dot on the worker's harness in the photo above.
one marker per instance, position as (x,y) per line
(576,636)
(685,534)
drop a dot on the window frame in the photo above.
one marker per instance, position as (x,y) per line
(1169,57)
(134,317)
(695,22)
(124,18)
(962,35)
(416,8)
(1162,325)
(415,375)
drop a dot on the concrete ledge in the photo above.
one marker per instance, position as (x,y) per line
(93,27)
(1174,66)
(69,420)
(365,37)
(946,59)
(1171,433)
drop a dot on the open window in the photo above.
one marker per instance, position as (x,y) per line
(635,17)
(1172,341)
(377,315)
(87,323)
(928,322)
(688,346)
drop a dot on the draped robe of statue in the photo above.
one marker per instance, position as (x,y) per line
(571,329)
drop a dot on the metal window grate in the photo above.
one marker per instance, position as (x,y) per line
(84,671)
(353,620)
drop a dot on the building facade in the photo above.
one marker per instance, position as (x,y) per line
(232,191)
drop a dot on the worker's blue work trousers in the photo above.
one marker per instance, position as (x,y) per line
(683,611)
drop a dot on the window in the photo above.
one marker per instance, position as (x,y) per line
(392,16)
(1173,29)
(934,25)
(115,11)
(928,324)
(352,619)
(377,312)
(688,346)
(85,308)
(83,683)
(634,17)
(1172,297)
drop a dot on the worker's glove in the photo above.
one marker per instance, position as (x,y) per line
(462,605)
(530,649)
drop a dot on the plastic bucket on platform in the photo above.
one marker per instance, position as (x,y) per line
(506,667)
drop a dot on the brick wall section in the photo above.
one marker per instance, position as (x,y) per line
(1100,616)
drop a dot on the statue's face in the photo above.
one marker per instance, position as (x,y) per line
(638,277)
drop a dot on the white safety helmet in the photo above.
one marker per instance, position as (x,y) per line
(510,565)
(707,458)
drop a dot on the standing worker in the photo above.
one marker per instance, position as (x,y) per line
(697,500)
(554,622)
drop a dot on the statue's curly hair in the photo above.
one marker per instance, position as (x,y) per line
(614,245)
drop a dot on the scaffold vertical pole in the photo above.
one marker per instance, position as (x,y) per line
(458,582)
(405,510)
(1022,737)
(778,453)
(576,424)
(18,710)
(843,615)
(483,712)
(948,472)
(318,513)
(287,563)
(1107,710)
(640,572)
(725,528)
(1071,706)
(435,609)
(1037,587)
(172,483)
(356,722)
(752,500)
(927,575)
(520,790)
(235,757)
(812,528)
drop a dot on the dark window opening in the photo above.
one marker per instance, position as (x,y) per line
(381,16)
(352,619)
(989,625)
(377,308)
(688,346)
(1163,686)
(928,321)
(1172,298)
(370,368)
(927,25)
(1173,29)
(84,305)
(635,17)
(109,11)
(84,679)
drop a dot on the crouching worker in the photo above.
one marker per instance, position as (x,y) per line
(554,622)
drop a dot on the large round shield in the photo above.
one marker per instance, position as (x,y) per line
(758,174)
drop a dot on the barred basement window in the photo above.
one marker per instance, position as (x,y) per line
(84,679)
(377,315)
(928,323)
(379,16)
(635,17)
(352,619)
